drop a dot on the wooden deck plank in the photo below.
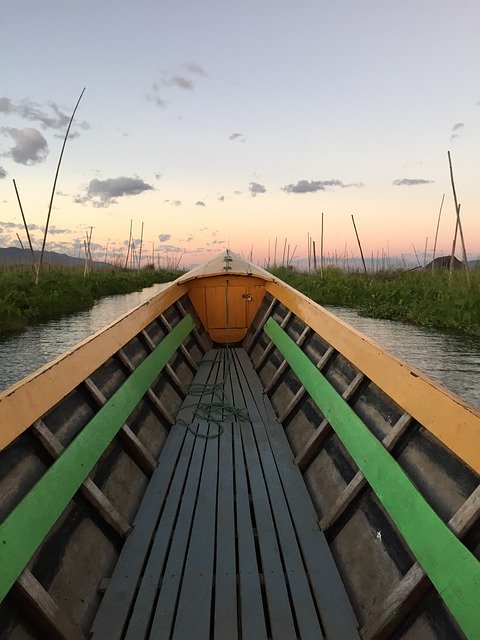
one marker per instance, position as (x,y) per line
(252,617)
(193,621)
(225,614)
(281,619)
(335,609)
(164,615)
(145,599)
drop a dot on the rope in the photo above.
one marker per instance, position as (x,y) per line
(219,409)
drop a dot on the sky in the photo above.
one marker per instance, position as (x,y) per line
(238,124)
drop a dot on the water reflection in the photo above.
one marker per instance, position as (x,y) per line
(450,359)
(25,352)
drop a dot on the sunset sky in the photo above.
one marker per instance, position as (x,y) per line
(224,123)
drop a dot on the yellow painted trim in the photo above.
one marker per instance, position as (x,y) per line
(449,419)
(31,398)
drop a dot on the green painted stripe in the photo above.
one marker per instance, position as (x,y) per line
(451,567)
(31,520)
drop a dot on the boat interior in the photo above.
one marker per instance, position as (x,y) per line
(229,460)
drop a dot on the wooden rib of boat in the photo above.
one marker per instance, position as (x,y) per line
(229,460)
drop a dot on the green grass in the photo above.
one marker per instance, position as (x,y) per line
(64,290)
(417,297)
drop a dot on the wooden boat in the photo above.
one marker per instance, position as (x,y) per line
(229,460)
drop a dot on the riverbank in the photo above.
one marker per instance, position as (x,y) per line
(64,290)
(422,298)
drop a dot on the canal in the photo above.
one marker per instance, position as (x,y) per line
(450,359)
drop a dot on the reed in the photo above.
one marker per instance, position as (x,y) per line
(64,290)
(423,298)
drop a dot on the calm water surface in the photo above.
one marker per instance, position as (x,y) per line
(25,352)
(450,359)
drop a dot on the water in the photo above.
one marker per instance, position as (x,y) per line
(450,359)
(24,352)
(453,360)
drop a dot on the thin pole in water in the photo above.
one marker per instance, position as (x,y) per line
(436,232)
(54,186)
(26,229)
(458,226)
(359,245)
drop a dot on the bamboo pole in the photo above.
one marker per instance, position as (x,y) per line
(459,225)
(26,230)
(293,253)
(425,253)
(20,241)
(129,243)
(436,232)
(284,250)
(314,258)
(275,253)
(54,186)
(288,254)
(416,255)
(140,250)
(321,250)
(308,250)
(359,245)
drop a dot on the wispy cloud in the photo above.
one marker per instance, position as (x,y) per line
(3,173)
(411,182)
(30,146)
(312,186)
(255,188)
(34,227)
(29,110)
(239,137)
(103,193)
(163,237)
(221,198)
(199,203)
(455,130)
(169,80)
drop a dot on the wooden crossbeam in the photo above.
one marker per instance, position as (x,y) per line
(268,350)
(190,361)
(415,583)
(152,396)
(310,450)
(140,454)
(168,368)
(259,329)
(206,344)
(302,391)
(284,366)
(43,610)
(88,489)
(357,483)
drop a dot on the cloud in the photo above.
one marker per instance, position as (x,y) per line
(255,188)
(163,237)
(192,67)
(312,186)
(237,136)
(456,128)
(158,176)
(169,248)
(29,110)
(221,198)
(411,182)
(34,227)
(216,242)
(30,148)
(3,173)
(179,81)
(103,193)
(199,203)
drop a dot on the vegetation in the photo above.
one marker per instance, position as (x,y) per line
(64,290)
(417,297)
